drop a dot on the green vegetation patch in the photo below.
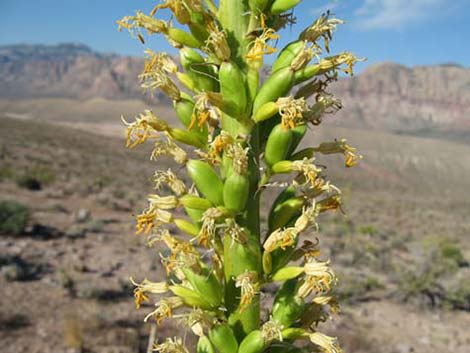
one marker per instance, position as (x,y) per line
(13,217)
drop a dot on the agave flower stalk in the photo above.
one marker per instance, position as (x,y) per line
(238,134)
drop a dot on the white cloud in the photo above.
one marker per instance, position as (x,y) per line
(396,14)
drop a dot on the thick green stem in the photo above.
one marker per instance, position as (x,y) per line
(245,257)
(234,16)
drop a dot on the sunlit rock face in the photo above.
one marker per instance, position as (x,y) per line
(407,100)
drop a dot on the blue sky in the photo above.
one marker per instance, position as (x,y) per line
(410,32)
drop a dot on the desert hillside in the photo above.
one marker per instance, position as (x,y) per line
(400,247)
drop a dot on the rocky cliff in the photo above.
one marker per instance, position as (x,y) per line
(427,100)
(423,100)
(66,70)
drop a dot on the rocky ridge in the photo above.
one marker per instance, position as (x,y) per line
(425,100)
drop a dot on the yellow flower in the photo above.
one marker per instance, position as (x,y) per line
(259,48)
(248,284)
(328,300)
(271,330)
(332,202)
(145,126)
(351,157)
(321,186)
(304,57)
(171,346)
(155,78)
(326,343)
(319,277)
(151,218)
(239,157)
(197,320)
(217,44)
(159,62)
(281,238)
(307,218)
(291,111)
(307,169)
(169,147)
(183,253)
(163,202)
(169,178)
(179,9)
(322,27)
(205,111)
(146,286)
(164,309)
(134,24)
(235,231)
(335,62)
(208,228)
(221,142)
(325,104)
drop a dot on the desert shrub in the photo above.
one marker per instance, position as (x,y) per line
(35,178)
(459,298)
(368,229)
(424,281)
(13,217)
(356,287)
(95,226)
(452,252)
(6,173)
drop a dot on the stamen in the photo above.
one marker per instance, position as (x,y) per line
(281,238)
(291,111)
(248,283)
(145,126)
(164,309)
(174,345)
(323,27)
(168,177)
(217,44)
(146,286)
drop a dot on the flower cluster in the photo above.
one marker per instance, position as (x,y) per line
(236,136)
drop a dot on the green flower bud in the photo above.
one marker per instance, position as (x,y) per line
(183,38)
(280,6)
(287,273)
(233,89)
(236,190)
(223,339)
(288,54)
(186,226)
(207,180)
(277,85)
(278,145)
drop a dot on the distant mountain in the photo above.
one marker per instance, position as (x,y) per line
(39,52)
(68,71)
(426,101)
